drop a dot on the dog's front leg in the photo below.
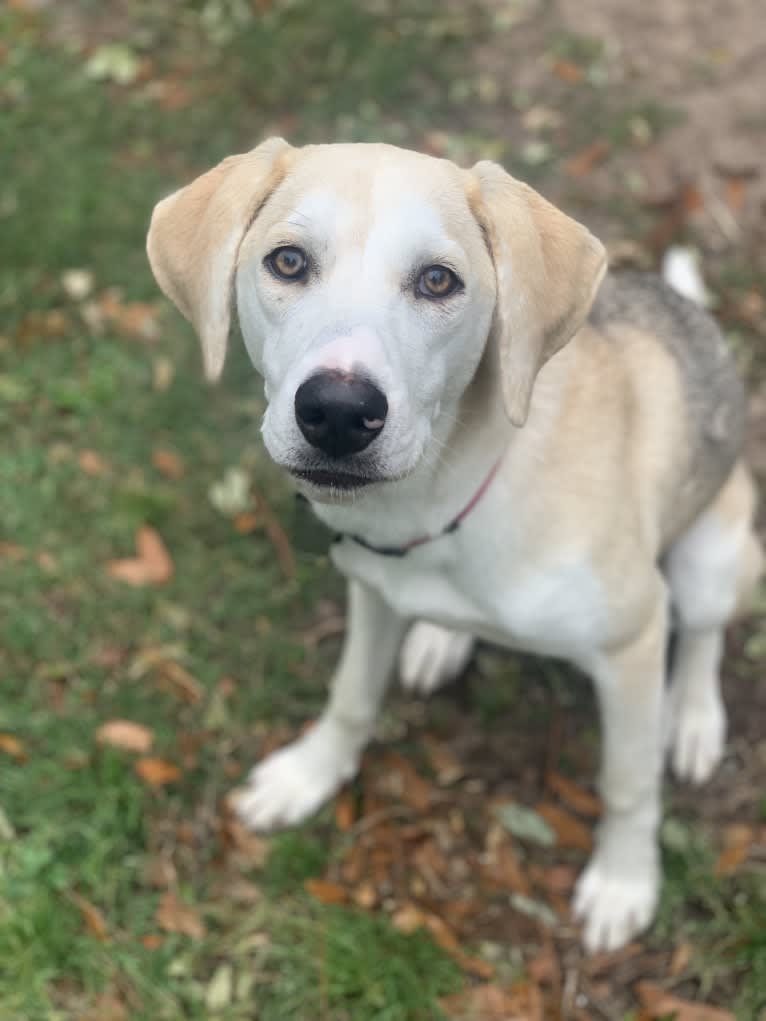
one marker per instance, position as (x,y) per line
(291,784)
(617,894)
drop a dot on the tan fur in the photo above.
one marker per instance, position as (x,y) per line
(194,238)
(548,270)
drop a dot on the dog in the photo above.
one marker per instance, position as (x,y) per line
(510,444)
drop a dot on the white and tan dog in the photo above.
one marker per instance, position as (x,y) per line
(405,315)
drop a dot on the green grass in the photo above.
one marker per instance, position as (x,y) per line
(83,162)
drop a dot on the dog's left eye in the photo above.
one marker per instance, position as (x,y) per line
(437,282)
(288,262)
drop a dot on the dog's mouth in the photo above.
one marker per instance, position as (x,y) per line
(328,479)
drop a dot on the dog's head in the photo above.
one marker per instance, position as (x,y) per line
(368,281)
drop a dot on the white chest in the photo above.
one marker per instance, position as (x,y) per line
(555,607)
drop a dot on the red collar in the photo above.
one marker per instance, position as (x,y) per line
(400,551)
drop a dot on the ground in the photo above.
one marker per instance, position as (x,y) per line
(160,628)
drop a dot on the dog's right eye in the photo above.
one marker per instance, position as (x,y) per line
(288,263)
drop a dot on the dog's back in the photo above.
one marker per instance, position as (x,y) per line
(715,406)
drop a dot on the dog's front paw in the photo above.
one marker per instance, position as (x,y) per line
(432,656)
(698,741)
(614,907)
(292,783)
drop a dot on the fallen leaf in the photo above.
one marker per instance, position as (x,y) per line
(522,1002)
(534,909)
(736,189)
(345,811)
(568,71)
(77,283)
(220,990)
(152,566)
(445,764)
(92,463)
(326,892)
(106,1007)
(576,797)
(502,868)
(570,832)
(231,495)
(173,915)
(365,896)
(525,824)
(583,162)
(94,920)
(180,681)
(132,737)
(413,790)
(156,772)
(163,372)
(738,841)
(152,940)
(660,1004)
(168,463)
(679,962)
(408,918)
(448,941)
(245,523)
(14,747)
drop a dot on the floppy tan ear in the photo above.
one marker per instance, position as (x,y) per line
(548,270)
(194,238)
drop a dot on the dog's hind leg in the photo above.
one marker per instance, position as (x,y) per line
(433,656)
(295,781)
(712,570)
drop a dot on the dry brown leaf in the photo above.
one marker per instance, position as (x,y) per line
(92,463)
(345,811)
(94,920)
(502,868)
(522,1002)
(448,941)
(568,72)
(152,566)
(736,190)
(152,940)
(14,747)
(583,162)
(132,737)
(576,797)
(168,463)
(326,892)
(445,764)
(414,791)
(106,1007)
(679,962)
(365,896)
(173,915)
(659,1003)
(570,832)
(180,681)
(156,772)
(408,918)
(738,839)
(245,523)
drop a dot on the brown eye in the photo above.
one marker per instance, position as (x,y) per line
(437,282)
(288,263)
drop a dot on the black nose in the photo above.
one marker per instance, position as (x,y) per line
(339,414)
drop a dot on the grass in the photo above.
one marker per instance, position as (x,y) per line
(84,160)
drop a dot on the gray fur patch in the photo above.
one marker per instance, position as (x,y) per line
(715,406)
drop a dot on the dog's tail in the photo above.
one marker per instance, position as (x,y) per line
(681,270)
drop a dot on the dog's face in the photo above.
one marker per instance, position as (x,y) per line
(365,297)
(368,281)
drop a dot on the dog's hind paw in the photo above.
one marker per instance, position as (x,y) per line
(614,908)
(432,656)
(292,783)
